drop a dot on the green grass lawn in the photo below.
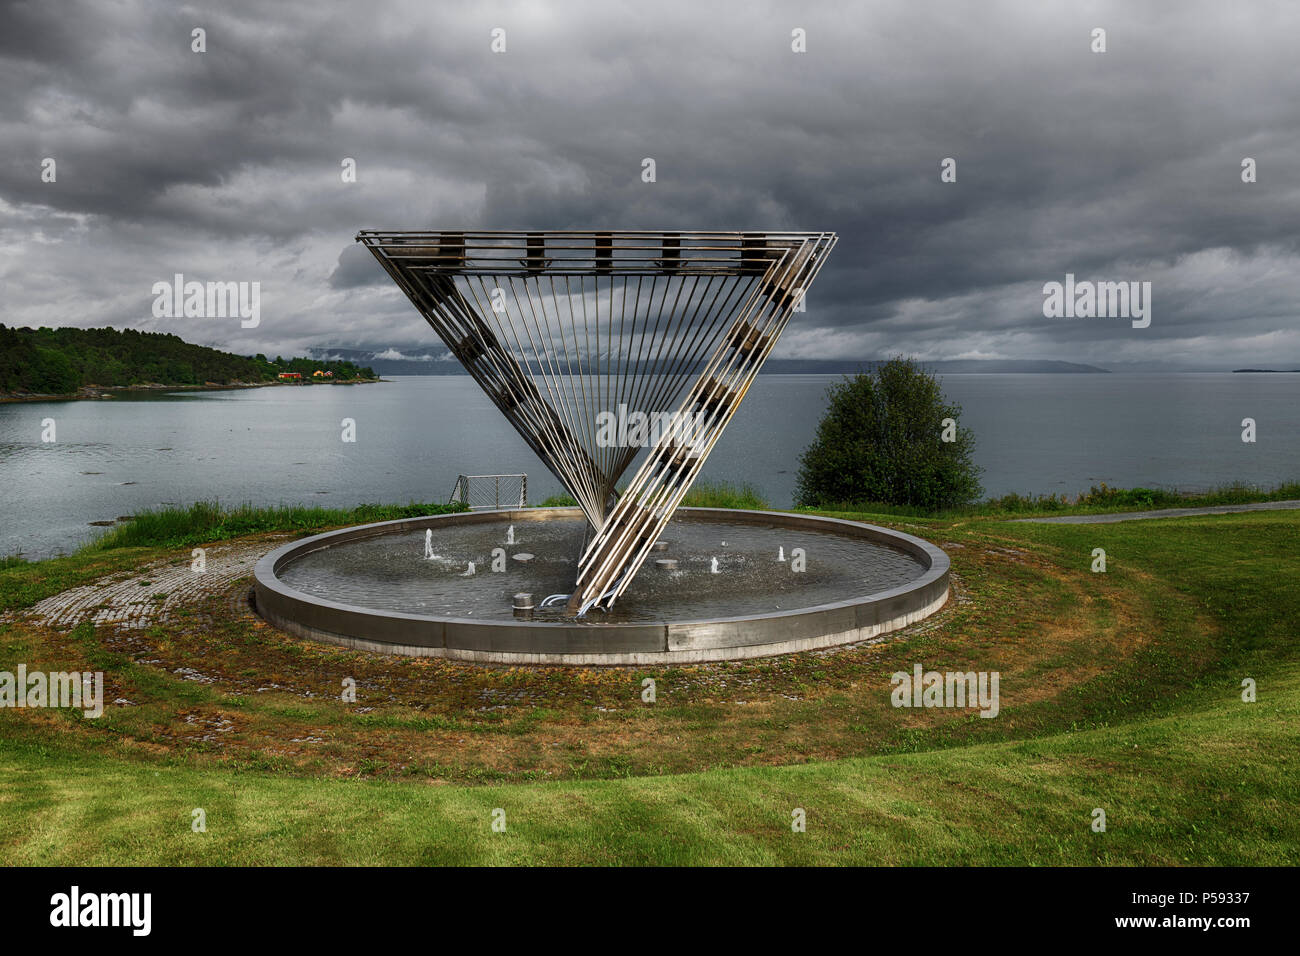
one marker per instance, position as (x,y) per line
(1216,785)
(1099,499)
(1121,692)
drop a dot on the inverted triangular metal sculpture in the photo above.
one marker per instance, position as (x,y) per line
(577,335)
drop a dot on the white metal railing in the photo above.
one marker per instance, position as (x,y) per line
(482,492)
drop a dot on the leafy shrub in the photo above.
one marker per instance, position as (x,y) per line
(881,440)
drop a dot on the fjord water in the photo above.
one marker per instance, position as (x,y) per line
(1035,434)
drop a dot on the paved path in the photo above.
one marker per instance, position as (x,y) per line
(152,594)
(1165,513)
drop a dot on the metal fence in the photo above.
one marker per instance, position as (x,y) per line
(483,492)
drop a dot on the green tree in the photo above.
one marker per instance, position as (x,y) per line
(882,440)
(54,374)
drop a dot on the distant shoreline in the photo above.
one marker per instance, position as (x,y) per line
(97,392)
(436,367)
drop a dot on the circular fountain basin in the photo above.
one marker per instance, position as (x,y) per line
(745,584)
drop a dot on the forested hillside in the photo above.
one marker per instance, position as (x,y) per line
(61,361)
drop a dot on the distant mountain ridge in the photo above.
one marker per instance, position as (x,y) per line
(438,361)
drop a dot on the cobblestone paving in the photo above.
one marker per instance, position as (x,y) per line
(150,595)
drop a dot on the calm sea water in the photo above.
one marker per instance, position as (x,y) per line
(1035,434)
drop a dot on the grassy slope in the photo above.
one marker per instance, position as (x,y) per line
(1186,772)
(1215,786)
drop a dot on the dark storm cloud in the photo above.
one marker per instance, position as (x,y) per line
(225,165)
(357,267)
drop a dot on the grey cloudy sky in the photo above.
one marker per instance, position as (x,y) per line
(225,165)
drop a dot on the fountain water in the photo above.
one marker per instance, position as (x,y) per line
(360,587)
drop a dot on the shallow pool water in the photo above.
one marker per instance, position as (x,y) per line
(391,572)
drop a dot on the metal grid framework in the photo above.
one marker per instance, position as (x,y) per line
(481,492)
(605,347)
